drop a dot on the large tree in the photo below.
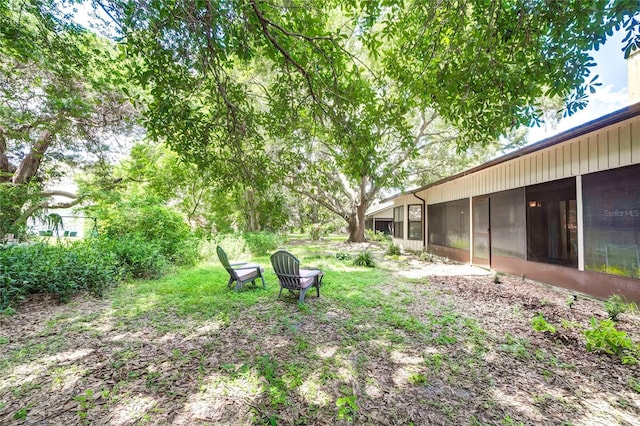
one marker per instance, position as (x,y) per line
(227,78)
(61,102)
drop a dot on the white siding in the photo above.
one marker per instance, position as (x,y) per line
(404,243)
(383,214)
(611,147)
(614,146)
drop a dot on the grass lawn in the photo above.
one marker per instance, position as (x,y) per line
(402,343)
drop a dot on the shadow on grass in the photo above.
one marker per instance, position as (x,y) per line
(372,349)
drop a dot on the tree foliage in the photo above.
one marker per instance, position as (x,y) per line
(61,97)
(482,65)
(257,89)
(323,93)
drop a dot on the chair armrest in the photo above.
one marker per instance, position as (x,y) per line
(306,273)
(237,264)
(246,265)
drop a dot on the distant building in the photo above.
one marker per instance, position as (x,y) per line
(73,223)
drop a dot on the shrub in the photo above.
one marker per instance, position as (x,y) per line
(393,250)
(239,246)
(162,227)
(135,256)
(539,323)
(262,243)
(316,232)
(96,270)
(604,337)
(233,244)
(60,270)
(616,305)
(426,256)
(365,259)
(341,255)
(379,236)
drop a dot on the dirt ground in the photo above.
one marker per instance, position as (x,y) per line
(80,364)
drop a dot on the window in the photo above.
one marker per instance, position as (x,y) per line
(415,222)
(611,201)
(448,224)
(508,218)
(552,223)
(398,222)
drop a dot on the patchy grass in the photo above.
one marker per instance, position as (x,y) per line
(378,347)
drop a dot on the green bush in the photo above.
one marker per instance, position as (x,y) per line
(160,226)
(135,256)
(263,243)
(393,250)
(316,232)
(365,259)
(604,337)
(379,236)
(60,270)
(341,255)
(616,305)
(539,323)
(233,244)
(12,200)
(244,245)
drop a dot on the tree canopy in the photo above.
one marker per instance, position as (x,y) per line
(482,65)
(317,95)
(234,85)
(61,103)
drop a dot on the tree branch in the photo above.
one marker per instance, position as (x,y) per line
(44,205)
(31,162)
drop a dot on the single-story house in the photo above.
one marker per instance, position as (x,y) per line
(379,218)
(563,211)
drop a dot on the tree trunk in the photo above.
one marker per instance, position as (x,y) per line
(253,222)
(31,162)
(5,166)
(356,224)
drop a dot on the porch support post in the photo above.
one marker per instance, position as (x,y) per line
(580,224)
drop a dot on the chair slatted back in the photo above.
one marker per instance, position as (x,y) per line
(287,268)
(225,262)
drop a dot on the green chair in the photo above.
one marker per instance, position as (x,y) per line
(287,268)
(242,272)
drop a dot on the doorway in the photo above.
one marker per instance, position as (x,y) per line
(481,233)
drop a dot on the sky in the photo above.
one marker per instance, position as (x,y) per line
(611,96)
